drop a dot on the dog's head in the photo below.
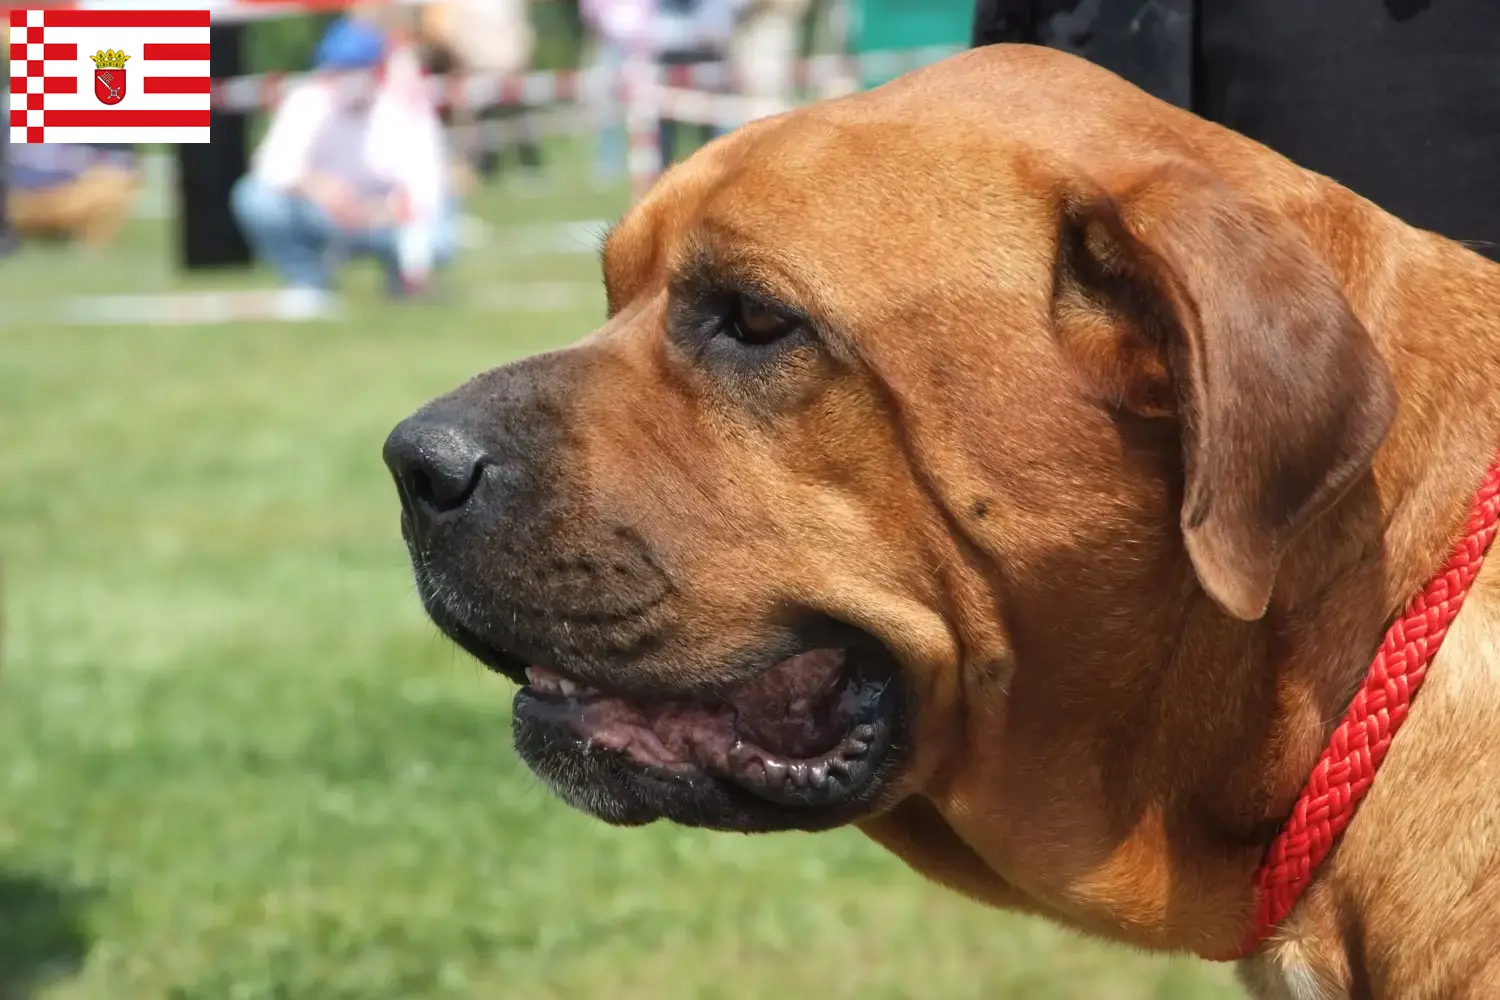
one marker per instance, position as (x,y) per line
(919,423)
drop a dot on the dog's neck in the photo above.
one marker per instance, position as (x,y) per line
(1207,727)
(1136,771)
(1341,586)
(1339,590)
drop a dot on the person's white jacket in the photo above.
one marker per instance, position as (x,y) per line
(403,146)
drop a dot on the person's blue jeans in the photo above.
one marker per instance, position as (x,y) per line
(305,246)
(609,149)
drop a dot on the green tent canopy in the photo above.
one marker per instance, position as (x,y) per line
(904,24)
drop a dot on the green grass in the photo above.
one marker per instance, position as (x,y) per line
(236,762)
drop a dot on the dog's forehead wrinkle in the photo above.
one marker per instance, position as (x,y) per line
(966,550)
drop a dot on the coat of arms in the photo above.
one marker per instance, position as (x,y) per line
(109,75)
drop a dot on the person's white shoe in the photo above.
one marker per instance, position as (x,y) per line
(301,304)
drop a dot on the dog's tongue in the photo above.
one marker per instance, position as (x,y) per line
(790,735)
(790,708)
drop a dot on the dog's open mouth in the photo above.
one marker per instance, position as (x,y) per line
(809,741)
(808,731)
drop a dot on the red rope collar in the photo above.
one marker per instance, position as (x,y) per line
(1347,768)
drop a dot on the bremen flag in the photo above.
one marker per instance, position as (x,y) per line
(109,76)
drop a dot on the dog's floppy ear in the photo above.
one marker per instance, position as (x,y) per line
(1178,297)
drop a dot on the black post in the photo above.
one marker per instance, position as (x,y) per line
(206,171)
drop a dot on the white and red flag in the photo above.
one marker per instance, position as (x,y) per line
(109,75)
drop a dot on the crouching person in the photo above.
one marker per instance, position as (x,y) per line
(349,167)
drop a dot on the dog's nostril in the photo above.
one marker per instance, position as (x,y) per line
(419,485)
(437,466)
(443,487)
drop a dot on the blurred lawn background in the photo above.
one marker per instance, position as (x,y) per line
(236,761)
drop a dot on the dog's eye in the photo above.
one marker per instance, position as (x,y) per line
(751,323)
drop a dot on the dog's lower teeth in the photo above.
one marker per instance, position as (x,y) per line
(568,688)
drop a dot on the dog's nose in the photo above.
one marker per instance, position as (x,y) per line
(437,466)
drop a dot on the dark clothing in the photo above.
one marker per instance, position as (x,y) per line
(1398,100)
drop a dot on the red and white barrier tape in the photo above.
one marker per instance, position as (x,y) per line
(222,11)
(702,107)
(542,87)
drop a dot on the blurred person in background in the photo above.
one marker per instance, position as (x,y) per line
(765,45)
(486,36)
(691,33)
(72,191)
(615,28)
(676,33)
(350,167)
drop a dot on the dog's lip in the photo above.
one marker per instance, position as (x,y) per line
(513,662)
(508,665)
